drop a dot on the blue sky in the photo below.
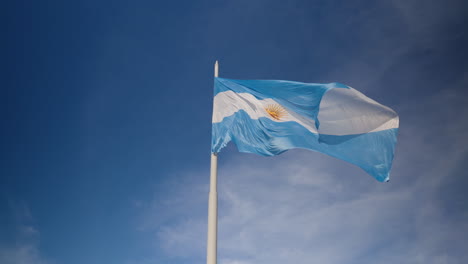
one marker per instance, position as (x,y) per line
(106,126)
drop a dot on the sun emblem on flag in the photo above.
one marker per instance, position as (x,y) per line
(276,111)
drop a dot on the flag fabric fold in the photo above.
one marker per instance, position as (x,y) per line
(268,117)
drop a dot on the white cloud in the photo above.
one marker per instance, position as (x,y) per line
(305,207)
(25,249)
(21,254)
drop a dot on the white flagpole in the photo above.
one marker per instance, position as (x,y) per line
(213,204)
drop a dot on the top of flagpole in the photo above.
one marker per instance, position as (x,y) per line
(216,69)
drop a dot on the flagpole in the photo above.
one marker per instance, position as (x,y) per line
(213,204)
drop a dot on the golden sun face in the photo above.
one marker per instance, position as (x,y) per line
(276,111)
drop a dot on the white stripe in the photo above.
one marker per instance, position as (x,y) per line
(342,112)
(347,112)
(227,103)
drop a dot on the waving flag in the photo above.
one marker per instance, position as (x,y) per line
(268,117)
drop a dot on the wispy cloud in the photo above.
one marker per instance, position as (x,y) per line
(304,207)
(21,254)
(25,247)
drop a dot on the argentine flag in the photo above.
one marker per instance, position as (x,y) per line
(268,117)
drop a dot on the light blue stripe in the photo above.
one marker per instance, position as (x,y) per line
(373,152)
